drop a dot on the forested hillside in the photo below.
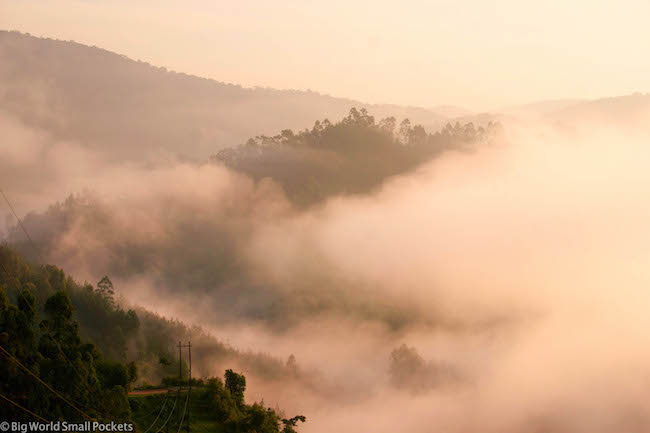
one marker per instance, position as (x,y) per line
(351,156)
(200,253)
(128,108)
(43,353)
(80,343)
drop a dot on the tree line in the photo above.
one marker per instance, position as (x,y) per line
(351,156)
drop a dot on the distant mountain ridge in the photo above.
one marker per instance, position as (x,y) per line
(106,100)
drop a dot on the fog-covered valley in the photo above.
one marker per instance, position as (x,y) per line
(371,274)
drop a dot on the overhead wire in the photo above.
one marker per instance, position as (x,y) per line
(23,408)
(159,413)
(33,244)
(180,425)
(170,413)
(7,353)
(49,334)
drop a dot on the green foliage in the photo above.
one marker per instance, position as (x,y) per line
(4,301)
(105,287)
(258,419)
(220,400)
(59,308)
(236,384)
(132,369)
(104,322)
(52,349)
(169,381)
(113,374)
(117,402)
(226,403)
(99,337)
(290,423)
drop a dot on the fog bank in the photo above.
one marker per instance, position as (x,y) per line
(518,274)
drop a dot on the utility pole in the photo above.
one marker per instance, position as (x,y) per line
(189,396)
(189,380)
(180,366)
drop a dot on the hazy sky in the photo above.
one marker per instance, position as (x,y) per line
(473,53)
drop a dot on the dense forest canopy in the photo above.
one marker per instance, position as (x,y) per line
(41,342)
(70,352)
(132,335)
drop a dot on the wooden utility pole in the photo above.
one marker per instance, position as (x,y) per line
(189,380)
(189,396)
(180,366)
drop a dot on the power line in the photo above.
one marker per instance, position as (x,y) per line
(45,384)
(178,393)
(189,345)
(25,409)
(189,378)
(176,422)
(51,337)
(22,226)
(189,393)
(180,425)
(161,411)
(33,244)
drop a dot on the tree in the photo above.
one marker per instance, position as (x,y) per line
(113,374)
(226,404)
(236,384)
(387,125)
(105,286)
(58,309)
(219,400)
(410,372)
(55,351)
(133,371)
(27,302)
(290,423)
(404,131)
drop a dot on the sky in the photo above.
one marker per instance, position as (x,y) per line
(472,53)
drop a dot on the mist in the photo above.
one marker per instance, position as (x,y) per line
(536,248)
(529,257)
(503,290)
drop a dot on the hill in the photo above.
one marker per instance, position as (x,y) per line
(129,109)
(633,109)
(85,345)
(352,156)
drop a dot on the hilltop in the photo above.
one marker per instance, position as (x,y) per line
(129,108)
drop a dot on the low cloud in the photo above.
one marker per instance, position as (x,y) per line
(521,268)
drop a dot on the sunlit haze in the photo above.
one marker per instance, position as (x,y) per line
(476,54)
(448,233)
